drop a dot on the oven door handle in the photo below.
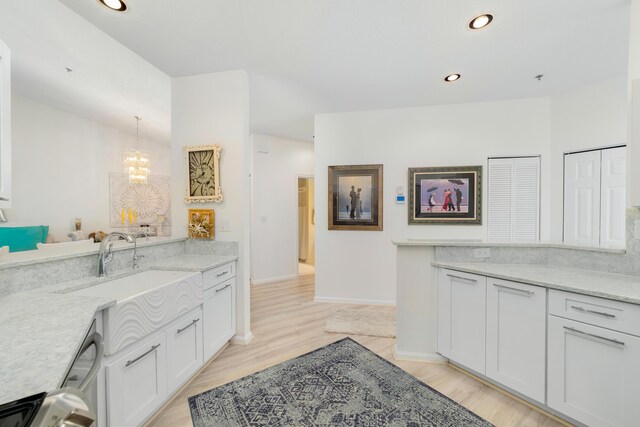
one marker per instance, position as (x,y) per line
(94,339)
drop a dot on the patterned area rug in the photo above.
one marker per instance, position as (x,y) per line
(376,323)
(341,384)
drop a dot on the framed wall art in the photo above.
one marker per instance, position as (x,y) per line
(203,173)
(355,197)
(201,224)
(445,195)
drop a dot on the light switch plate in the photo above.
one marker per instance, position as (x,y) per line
(223,225)
(482,253)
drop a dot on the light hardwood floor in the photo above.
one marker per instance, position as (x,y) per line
(287,323)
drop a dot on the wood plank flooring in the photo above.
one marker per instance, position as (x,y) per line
(286,323)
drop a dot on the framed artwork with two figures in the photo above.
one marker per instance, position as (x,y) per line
(355,197)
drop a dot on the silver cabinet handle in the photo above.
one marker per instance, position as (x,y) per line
(222,274)
(181,330)
(599,313)
(516,290)
(610,340)
(151,350)
(453,276)
(96,339)
(3,199)
(222,289)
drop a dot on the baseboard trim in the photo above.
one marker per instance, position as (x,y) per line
(243,339)
(536,407)
(273,279)
(356,301)
(418,357)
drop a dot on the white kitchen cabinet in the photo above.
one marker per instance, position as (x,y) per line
(137,382)
(516,336)
(593,373)
(5,126)
(461,318)
(219,312)
(184,348)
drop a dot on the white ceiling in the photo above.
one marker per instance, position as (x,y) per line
(45,37)
(312,56)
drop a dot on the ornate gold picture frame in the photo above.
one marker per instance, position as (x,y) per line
(201,224)
(203,173)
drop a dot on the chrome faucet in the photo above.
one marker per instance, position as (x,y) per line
(137,257)
(105,255)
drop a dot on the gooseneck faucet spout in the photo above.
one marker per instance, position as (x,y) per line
(105,255)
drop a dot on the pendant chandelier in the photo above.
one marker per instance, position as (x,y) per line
(137,164)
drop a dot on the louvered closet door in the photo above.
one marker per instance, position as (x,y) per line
(514,199)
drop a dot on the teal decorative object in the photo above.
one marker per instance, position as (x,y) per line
(23,238)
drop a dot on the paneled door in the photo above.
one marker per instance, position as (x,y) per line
(582,198)
(614,198)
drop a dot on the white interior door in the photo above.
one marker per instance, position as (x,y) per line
(613,195)
(582,198)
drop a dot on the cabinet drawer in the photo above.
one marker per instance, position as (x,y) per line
(615,315)
(218,275)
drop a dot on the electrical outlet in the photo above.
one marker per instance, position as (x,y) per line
(223,225)
(482,253)
(263,218)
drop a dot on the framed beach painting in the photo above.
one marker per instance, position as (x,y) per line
(203,173)
(355,197)
(445,195)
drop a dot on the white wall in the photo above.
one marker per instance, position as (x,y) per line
(274,221)
(360,265)
(588,117)
(633,148)
(61,164)
(214,109)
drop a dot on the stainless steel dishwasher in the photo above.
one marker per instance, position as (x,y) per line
(76,403)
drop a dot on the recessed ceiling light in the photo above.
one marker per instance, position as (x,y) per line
(452,77)
(481,21)
(115,5)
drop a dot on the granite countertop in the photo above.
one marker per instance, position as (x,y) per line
(42,330)
(605,285)
(485,244)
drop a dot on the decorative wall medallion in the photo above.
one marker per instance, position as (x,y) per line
(203,173)
(134,204)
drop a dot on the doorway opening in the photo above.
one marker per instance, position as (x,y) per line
(306,226)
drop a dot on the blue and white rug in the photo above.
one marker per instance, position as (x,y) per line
(341,384)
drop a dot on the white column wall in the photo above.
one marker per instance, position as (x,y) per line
(214,109)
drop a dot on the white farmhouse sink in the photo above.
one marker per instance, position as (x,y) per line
(144,303)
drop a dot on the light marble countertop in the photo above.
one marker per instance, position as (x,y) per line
(605,285)
(487,244)
(42,330)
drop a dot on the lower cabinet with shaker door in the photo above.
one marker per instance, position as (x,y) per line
(184,348)
(219,314)
(461,318)
(594,373)
(137,382)
(516,336)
